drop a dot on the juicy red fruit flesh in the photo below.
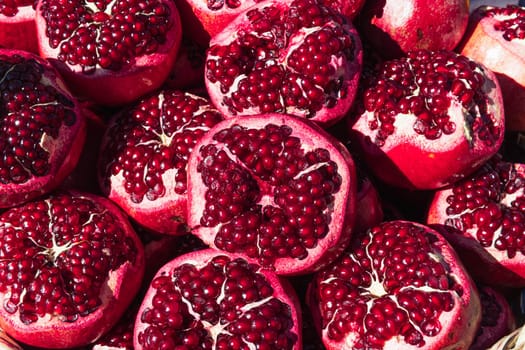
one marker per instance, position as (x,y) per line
(105,34)
(9,8)
(512,27)
(273,167)
(30,110)
(60,273)
(226,295)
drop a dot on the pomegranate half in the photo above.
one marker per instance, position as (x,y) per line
(18,25)
(274,187)
(71,264)
(215,300)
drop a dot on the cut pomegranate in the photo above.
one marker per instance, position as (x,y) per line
(399,286)
(297,57)
(144,156)
(215,300)
(483,216)
(18,26)
(395,27)
(495,39)
(110,52)
(274,187)
(41,129)
(497,319)
(428,119)
(71,264)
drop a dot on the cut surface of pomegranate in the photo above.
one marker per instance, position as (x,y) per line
(110,52)
(274,187)
(18,26)
(428,119)
(483,216)
(495,39)
(144,156)
(41,128)
(215,300)
(70,265)
(297,57)
(399,286)
(395,27)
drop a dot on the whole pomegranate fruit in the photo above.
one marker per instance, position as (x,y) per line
(395,27)
(110,52)
(399,286)
(428,119)
(274,187)
(296,57)
(144,156)
(494,38)
(71,264)
(18,26)
(216,300)
(483,216)
(41,128)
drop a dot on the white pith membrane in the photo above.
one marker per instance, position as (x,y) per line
(43,245)
(340,64)
(244,310)
(157,139)
(377,293)
(505,202)
(105,12)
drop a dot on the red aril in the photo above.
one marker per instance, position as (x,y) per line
(428,119)
(274,187)
(399,286)
(395,27)
(42,128)
(216,300)
(495,39)
(483,216)
(17,25)
(111,52)
(144,156)
(296,57)
(71,264)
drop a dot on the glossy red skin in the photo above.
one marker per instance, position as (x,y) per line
(505,58)
(394,27)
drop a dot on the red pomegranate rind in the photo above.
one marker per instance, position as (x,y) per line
(8,343)
(71,264)
(217,300)
(144,156)
(273,187)
(399,286)
(395,27)
(110,52)
(188,71)
(427,120)
(369,211)
(495,39)
(17,25)
(42,128)
(497,319)
(483,216)
(295,57)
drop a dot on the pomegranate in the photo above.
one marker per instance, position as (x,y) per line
(274,187)
(144,155)
(215,300)
(188,71)
(41,130)
(110,52)
(494,38)
(369,211)
(8,343)
(395,27)
(296,57)
(399,286)
(483,216)
(71,264)
(512,341)
(497,318)
(428,119)
(17,25)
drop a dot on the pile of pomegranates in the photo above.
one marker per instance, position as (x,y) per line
(262,174)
